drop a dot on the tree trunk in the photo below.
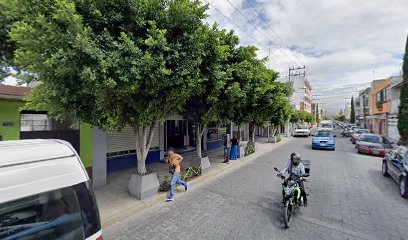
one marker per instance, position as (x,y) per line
(253,132)
(199,135)
(143,141)
(239,133)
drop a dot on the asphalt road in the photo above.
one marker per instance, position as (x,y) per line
(349,199)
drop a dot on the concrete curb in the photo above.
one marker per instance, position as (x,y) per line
(196,183)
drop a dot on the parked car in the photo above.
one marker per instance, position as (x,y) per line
(356,134)
(324,139)
(373,144)
(303,131)
(45,192)
(395,164)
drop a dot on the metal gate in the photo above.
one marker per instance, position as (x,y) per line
(71,136)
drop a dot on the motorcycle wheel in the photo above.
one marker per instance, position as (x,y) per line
(287,214)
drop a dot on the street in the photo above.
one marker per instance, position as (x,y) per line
(349,199)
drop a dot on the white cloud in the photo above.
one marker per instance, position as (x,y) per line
(340,42)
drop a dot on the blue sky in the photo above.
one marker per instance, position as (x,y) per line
(340,42)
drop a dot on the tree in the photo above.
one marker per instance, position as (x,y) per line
(317,114)
(203,107)
(255,83)
(403,107)
(281,113)
(249,89)
(352,111)
(110,63)
(340,118)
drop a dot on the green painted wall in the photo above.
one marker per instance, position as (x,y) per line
(9,114)
(86,140)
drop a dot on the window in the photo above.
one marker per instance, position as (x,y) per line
(369,138)
(66,213)
(381,96)
(323,134)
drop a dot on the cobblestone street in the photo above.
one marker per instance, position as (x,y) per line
(349,199)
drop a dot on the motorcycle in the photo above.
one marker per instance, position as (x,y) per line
(346,133)
(292,198)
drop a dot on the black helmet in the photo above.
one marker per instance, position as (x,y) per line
(295,158)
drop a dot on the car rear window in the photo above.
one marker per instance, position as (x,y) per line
(373,139)
(323,134)
(360,131)
(66,213)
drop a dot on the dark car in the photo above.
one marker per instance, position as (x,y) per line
(356,134)
(395,164)
(373,144)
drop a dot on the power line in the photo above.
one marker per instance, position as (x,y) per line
(277,35)
(248,20)
(249,35)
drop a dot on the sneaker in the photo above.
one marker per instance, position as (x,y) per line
(305,204)
(186,187)
(169,200)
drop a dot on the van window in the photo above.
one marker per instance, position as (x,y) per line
(66,213)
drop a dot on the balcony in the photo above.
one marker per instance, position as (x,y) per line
(382,107)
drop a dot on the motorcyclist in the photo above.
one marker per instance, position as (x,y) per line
(294,166)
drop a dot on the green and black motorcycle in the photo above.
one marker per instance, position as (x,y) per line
(292,199)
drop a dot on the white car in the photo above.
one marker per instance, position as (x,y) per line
(301,131)
(45,192)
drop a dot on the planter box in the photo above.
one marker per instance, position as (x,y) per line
(197,162)
(142,187)
(241,149)
(251,144)
(205,165)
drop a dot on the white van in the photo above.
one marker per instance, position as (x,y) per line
(45,192)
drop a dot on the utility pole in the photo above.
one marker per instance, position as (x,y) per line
(299,71)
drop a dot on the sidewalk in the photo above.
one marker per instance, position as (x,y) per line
(115,203)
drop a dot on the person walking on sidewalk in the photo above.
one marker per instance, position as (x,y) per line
(174,160)
(234,148)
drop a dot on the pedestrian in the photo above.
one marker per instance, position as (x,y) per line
(174,160)
(234,148)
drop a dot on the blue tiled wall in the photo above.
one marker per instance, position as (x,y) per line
(129,161)
(214,144)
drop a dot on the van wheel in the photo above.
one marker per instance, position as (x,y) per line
(384,169)
(403,188)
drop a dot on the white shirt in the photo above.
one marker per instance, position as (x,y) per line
(298,170)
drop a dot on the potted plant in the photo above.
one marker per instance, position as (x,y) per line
(379,105)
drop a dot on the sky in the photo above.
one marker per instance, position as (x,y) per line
(344,44)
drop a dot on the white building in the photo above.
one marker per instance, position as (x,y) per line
(347,111)
(393,96)
(302,96)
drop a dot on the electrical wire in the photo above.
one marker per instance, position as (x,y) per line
(277,35)
(256,28)
(249,35)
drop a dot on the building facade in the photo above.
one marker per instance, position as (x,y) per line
(379,106)
(302,96)
(393,97)
(364,97)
